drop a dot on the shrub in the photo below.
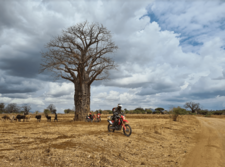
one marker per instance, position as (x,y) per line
(46,111)
(217,112)
(149,112)
(176,111)
(202,112)
(66,111)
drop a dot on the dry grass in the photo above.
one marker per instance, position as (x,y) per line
(156,141)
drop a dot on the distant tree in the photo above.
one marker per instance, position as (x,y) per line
(26,109)
(36,112)
(148,111)
(2,107)
(100,111)
(159,110)
(218,112)
(193,106)
(51,108)
(12,108)
(66,111)
(139,108)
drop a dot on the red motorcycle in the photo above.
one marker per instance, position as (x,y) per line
(88,119)
(121,122)
(98,118)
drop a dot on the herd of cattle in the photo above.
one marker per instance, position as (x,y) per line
(27,117)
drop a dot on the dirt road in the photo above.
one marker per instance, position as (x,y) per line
(210,147)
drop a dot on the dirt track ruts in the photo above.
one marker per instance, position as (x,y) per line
(210,145)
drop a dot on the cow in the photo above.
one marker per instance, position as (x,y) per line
(38,117)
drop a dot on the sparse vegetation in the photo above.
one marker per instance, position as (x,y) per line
(176,111)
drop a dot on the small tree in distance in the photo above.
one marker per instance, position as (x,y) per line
(160,110)
(26,109)
(51,108)
(193,106)
(12,108)
(2,107)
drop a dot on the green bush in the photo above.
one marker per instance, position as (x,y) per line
(46,111)
(67,111)
(176,111)
(202,112)
(218,112)
(149,112)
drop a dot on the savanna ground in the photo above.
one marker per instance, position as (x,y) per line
(156,140)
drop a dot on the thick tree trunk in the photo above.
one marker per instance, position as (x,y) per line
(81,101)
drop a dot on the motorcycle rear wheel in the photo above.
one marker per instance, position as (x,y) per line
(110,130)
(128,130)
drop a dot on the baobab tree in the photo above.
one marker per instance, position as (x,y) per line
(193,106)
(26,109)
(80,55)
(51,108)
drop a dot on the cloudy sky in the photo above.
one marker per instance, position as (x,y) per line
(170,52)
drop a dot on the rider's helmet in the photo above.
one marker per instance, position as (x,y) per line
(120,105)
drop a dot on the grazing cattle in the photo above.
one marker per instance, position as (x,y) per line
(19,117)
(48,117)
(38,117)
(56,119)
(6,117)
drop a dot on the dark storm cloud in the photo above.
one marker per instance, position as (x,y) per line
(9,84)
(26,67)
(174,99)
(7,15)
(16,89)
(205,95)
(160,87)
(16,95)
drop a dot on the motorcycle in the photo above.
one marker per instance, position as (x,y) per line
(121,122)
(88,119)
(98,118)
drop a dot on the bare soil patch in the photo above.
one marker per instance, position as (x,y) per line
(210,147)
(156,141)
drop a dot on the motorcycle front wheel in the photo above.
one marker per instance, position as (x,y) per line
(128,130)
(110,130)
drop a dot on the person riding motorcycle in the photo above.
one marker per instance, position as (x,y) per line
(116,112)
